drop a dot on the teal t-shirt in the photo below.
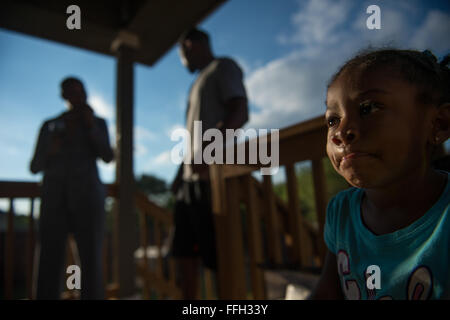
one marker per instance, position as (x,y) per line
(413,263)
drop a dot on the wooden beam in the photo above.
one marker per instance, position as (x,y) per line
(272,223)
(235,236)
(9,253)
(302,242)
(255,245)
(14,189)
(219,208)
(127,227)
(158,23)
(320,196)
(228,229)
(31,241)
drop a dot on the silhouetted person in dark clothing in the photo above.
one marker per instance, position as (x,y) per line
(72,193)
(218,99)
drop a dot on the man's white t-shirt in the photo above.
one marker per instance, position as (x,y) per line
(217,83)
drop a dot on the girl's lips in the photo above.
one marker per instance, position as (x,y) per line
(354,155)
(347,159)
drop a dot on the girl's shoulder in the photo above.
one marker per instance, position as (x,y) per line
(344,205)
(349,197)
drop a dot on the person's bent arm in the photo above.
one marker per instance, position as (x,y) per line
(237,116)
(237,111)
(328,287)
(40,153)
(100,139)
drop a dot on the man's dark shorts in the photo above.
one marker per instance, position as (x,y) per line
(194,225)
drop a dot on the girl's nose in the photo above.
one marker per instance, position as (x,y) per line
(345,136)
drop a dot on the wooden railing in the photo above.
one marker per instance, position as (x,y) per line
(151,265)
(255,230)
(276,236)
(13,191)
(159,277)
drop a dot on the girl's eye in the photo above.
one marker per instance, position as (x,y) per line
(366,108)
(332,121)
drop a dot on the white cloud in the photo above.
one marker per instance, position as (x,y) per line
(173,128)
(289,90)
(140,149)
(433,32)
(142,137)
(143,134)
(101,107)
(161,160)
(292,88)
(316,22)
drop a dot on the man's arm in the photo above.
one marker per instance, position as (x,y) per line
(40,153)
(328,287)
(237,114)
(100,140)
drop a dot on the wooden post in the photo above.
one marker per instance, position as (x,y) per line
(9,253)
(254,240)
(320,195)
(159,272)
(219,207)
(302,242)
(236,273)
(127,226)
(144,245)
(228,228)
(272,225)
(30,250)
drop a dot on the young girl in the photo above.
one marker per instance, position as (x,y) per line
(389,236)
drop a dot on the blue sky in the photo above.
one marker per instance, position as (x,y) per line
(288,50)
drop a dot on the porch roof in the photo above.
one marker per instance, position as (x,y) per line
(156,23)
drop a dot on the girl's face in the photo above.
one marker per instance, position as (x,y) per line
(377,132)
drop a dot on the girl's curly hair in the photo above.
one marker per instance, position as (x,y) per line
(418,68)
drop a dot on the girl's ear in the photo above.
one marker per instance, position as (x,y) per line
(441,124)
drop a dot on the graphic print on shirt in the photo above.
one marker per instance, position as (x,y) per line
(371,293)
(419,285)
(350,287)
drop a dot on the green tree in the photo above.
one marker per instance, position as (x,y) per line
(151,185)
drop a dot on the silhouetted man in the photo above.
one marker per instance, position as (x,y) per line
(218,99)
(72,193)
